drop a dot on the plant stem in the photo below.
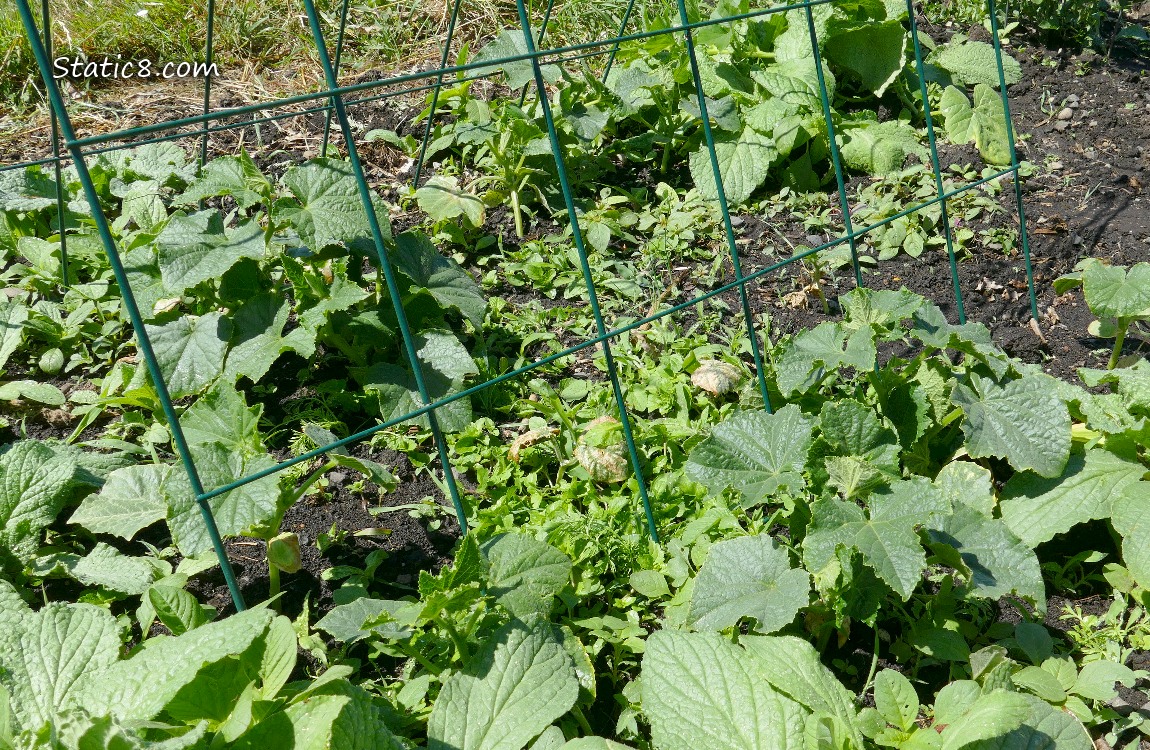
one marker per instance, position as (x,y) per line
(1119,339)
(517,213)
(458,640)
(273,584)
(580,717)
(873,666)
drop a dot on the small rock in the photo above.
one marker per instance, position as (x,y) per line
(737,221)
(814,240)
(1066,113)
(1072,99)
(1055,166)
(1061,125)
(336,478)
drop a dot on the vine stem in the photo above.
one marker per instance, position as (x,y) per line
(1119,339)
(873,667)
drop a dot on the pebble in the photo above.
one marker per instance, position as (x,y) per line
(1055,166)
(1066,113)
(1061,125)
(736,221)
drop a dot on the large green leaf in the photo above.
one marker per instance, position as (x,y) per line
(442,199)
(999,563)
(442,277)
(514,687)
(888,541)
(793,667)
(744,161)
(758,454)
(880,148)
(192,249)
(106,566)
(336,716)
(129,500)
(1044,727)
(235,512)
(875,53)
(699,690)
(190,351)
(222,416)
(975,63)
(807,358)
(356,620)
(525,574)
(1036,508)
(749,576)
(45,657)
(1131,519)
(258,339)
(235,176)
(328,209)
(1114,292)
(34,481)
(445,363)
(141,687)
(510,43)
(984,123)
(1023,421)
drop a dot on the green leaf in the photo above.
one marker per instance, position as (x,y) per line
(258,339)
(984,124)
(744,162)
(328,210)
(1040,682)
(1097,678)
(34,481)
(356,620)
(514,687)
(178,610)
(699,690)
(993,715)
(192,249)
(130,500)
(337,715)
(12,317)
(27,189)
(510,43)
(221,416)
(794,668)
(758,454)
(108,567)
(139,688)
(45,657)
(748,577)
(235,176)
(525,574)
(442,277)
(649,583)
(1131,519)
(190,351)
(880,148)
(806,359)
(999,563)
(889,544)
(1115,292)
(1023,421)
(1036,508)
(445,363)
(32,390)
(895,699)
(1044,727)
(235,512)
(975,63)
(441,198)
(875,53)
(966,483)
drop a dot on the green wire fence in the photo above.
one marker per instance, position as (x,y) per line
(334,100)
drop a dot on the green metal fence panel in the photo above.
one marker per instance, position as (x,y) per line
(333,101)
